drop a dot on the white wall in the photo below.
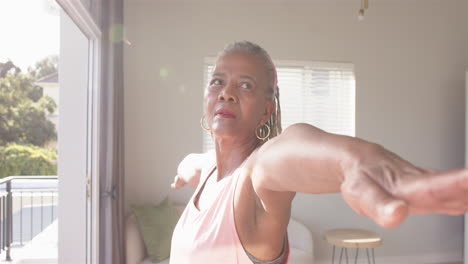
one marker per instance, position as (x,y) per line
(410,59)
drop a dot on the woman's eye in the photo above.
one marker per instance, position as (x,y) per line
(216,82)
(245,85)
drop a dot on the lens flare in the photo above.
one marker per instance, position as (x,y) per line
(163,73)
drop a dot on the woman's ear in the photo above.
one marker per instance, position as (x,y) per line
(269,108)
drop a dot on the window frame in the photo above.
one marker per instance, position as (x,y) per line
(83,19)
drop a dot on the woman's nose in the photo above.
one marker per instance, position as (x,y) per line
(227,94)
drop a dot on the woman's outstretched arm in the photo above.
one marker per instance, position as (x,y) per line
(374,181)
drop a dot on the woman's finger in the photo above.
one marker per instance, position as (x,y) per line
(440,192)
(178,182)
(451,208)
(173,184)
(369,199)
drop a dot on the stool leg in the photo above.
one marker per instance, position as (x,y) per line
(333,255)
(341,255)
(346,252)
(357,252)
(373,257)
(368,258)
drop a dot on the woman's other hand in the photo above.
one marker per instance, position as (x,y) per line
(381,185)
(190,169)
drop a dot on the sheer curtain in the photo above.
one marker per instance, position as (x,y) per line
(111,234)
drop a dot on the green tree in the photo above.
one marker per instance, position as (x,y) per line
(44,67)
(19,160)
(23,109)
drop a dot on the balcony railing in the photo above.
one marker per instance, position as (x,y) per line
(27,206)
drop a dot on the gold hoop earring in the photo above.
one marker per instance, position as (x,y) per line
(202,123)
(263,132)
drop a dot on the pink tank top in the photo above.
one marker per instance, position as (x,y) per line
(210,235)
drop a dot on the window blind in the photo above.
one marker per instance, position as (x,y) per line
(318,93)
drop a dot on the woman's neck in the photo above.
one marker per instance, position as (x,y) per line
(230,155)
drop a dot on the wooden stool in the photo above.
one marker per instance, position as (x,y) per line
(353,238)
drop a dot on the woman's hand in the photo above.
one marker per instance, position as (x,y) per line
(381,185)
(190,169)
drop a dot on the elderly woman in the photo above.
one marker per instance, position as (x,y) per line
(244,189)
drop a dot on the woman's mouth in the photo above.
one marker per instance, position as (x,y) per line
(224,113)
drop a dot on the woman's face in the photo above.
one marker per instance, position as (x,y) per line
(236,99)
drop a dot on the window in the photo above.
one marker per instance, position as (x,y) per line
(318,93)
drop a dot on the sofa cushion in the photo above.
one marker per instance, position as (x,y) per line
(148,261)
(298,256)
(300,236)
(156,224)
(135,246)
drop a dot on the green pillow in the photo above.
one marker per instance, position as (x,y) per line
(156,226)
